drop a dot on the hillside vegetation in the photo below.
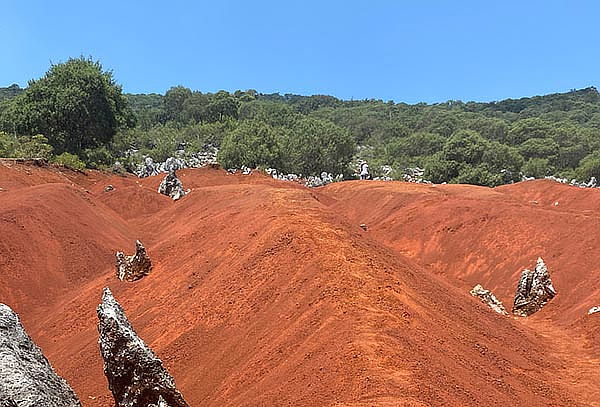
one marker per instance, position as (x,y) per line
(77,109)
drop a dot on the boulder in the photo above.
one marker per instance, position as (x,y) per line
(171,186)
(132,268)
(487,297)
(26,377)
(136,376)
(534,290)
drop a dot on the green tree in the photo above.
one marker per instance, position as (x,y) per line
(76,105)
(313,146)
(465,146)
(504,161)
(589,167)
(438,169)
(174,102)
(536,167)
(481,174)
(251,144)
(539,148)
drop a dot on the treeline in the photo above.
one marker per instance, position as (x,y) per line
(81,111)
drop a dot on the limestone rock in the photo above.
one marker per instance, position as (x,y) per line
(132,268)
(26,377)
(136,376)
(5,402)
(487,297)
(593,310)
(171,186)
(147,169)
(534,290)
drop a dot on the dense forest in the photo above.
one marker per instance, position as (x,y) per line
(77,115)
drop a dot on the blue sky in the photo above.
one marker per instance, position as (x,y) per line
(409,51)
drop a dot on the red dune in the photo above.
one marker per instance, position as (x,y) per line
(266,293)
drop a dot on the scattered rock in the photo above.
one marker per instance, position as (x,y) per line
(136,376)
(108,188)
(534,290)
(208,156)
(363,227)
(171,186)
(26,377)
(147,169)
(415,175)
(132,268)
(593,310)
(487,297)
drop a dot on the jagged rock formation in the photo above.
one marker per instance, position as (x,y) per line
(5,402)
(161,403)
(534,290)
(26,377)
(135,374)
(132,268)
(172,186)
(487,297)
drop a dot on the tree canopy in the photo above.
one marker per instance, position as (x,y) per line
(75,105)
(78,108)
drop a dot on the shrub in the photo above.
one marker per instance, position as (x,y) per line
(69,160)
(33,147)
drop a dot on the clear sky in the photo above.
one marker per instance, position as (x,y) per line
(410,51)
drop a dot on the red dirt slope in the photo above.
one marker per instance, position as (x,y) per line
(263,294)
(488,236)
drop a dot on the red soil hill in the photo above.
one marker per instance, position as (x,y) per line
(265,294)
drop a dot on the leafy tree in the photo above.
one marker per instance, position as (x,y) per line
(174,102)
(223,105)
(536,167)
(589,167)
(524,129)
(438,169)
(465,146)
(251,144)
(479,175)
(313,146)
(504,161)
(76,105)
(415,145)
(539,148)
